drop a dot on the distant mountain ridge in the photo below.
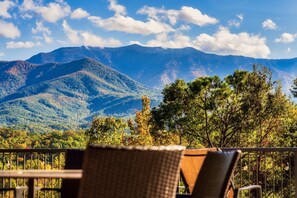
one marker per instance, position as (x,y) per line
(156,66)
(71,93)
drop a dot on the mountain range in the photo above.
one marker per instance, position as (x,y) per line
(156,66)
(71,85)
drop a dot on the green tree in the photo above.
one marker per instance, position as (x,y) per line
(107,130)
(10,138)
(262,107)
(59,139)
(170,117)
(244,109)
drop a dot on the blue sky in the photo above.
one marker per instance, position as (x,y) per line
(261,29)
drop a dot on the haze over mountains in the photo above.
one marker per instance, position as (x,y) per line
(71,85)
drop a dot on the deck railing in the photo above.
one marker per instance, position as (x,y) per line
(272,168)
(23,159)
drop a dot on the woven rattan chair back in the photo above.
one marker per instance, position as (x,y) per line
(191,164)
(130,172)
(215,174)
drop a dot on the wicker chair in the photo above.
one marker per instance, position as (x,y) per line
(191,165)
(215,175)
(130,172)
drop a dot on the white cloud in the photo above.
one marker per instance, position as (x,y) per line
(225,43)
(130,25)
(192,15)
(40,28)
(236,22)
(286,38)
(79,13)
(2,54)
(118,9)
(184,28)
(4,7)
(153,13)
(222,42)
(240,16)
(156,22)
(47,38)
(86,38)
(52,12)
(26,16)
(175,41)
(269,24)
(9,30)
(121,22)
(21,44)
(71,34)
(90,39)
(288,49)
(186,14)
(135,42)
(28,5)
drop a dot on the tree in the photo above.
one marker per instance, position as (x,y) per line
(10,138)
(140,130)
(244,108)
(59,139)
(186,110)
(170,117)
(107,130)
(262,107)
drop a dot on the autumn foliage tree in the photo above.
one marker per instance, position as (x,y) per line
(141,127)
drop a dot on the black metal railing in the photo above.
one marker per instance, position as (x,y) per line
(272,168)
(24,159)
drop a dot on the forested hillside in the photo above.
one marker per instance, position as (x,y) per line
(63,95)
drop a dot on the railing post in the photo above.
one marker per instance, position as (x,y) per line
(295,172)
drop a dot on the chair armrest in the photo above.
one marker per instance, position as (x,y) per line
(183,196)
(250,187)
(257,188)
